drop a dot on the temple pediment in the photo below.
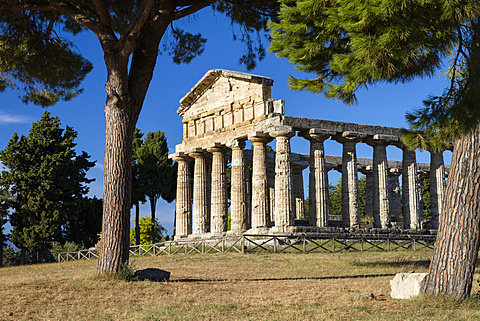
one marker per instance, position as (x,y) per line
(223,99)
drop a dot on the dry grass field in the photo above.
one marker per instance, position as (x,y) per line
(260,286)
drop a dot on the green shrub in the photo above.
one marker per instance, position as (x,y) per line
(58,247)
(126,272)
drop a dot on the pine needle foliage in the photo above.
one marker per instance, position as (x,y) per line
(350,45)
(36,61)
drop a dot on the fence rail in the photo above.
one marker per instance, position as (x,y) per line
(273,243)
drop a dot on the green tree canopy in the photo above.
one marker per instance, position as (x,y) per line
(45,183)
(43,66)
(146,231)
(350,45)
(335,194)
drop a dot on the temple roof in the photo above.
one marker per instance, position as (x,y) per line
(209,78)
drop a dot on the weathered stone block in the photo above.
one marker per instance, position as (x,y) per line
(364,296)
(248,113)
(407,285)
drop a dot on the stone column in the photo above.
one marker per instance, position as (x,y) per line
(260,199)
(238,207)
(283,179)
(395,197)
(319,201)
(381,197)
(218,199)
(271,185)
(183,204)
(248,183)
(437,187)
(350,197)
(411,191)
(369,191)
(298,194)
(200,199)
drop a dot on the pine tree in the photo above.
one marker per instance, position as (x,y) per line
(45,181)
(130,33)
(350,45)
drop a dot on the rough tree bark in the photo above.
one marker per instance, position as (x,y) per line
(117,188)
(125,95)
(456,249)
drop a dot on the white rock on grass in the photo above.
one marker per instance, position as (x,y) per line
(407,285)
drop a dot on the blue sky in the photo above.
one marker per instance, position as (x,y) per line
(384,104)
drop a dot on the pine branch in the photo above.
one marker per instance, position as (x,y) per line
(129,35)
(102,12)
(192,9)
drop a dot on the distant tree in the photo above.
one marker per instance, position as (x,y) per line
(307,208)
(58,247)
(335,194)
(84,222)
(138,184)
(146,231)
(158,173)
(45,180)
(10,257)
(427,213)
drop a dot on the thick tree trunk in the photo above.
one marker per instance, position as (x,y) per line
(456,248)
(137,223)
(117,176)
(126,90)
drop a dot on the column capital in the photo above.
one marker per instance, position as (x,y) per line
(365,169)
(180,156)
(349,137)
(380,139)
(216,148)
(282,131)
(236,143)
(317,134)
(394,171)
(259,137)
(197,152)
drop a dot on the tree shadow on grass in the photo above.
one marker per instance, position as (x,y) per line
(186,280)
(395,264)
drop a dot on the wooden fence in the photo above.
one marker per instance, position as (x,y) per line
(246,243)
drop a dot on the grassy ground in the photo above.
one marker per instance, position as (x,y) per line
(260,286)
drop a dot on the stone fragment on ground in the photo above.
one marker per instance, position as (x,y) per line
(407,285)
(364,296)
(152,274)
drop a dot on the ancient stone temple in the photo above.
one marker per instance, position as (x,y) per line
(226,108)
